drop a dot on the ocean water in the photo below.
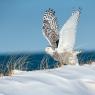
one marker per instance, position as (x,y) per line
(36,61)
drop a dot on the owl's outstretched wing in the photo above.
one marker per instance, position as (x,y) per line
(50,28)
(68,33)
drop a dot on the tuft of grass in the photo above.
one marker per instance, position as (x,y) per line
(12,64)
(44,63)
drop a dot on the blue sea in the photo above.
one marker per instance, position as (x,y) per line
(36,61)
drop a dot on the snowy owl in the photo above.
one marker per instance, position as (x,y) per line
(61,42)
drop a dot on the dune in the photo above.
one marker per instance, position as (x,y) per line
(67,80)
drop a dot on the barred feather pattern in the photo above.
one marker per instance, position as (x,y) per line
(50,27)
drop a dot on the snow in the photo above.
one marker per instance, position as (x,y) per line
(67,80)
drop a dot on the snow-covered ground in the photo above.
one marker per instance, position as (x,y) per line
(67,80)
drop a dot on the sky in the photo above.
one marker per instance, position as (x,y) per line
(21,23)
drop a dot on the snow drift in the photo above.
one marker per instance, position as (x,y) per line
(67,80)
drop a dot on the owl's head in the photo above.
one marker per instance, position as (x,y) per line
(49,51)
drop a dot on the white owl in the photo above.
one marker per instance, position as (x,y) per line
(61,42)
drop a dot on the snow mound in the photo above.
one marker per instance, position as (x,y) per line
(67,80)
